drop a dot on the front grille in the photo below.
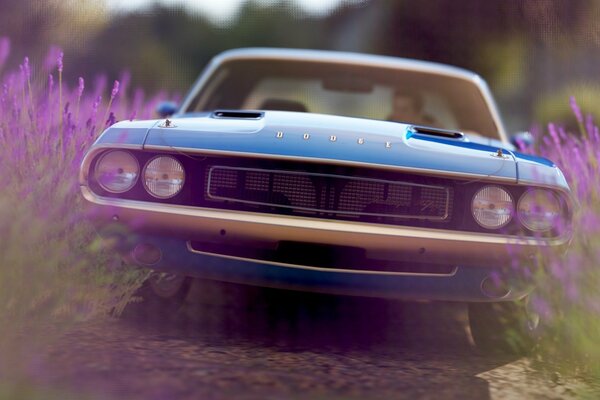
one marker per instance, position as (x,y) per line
(327,195)
(358,193)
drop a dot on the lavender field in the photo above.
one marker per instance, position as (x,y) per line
(567,294)
(54,272)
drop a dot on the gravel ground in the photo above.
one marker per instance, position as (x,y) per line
(235,342)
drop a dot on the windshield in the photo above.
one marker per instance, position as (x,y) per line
(349,90)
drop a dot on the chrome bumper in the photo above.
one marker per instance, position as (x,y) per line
(386,242)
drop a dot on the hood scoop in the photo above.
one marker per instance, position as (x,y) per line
(237,114)
(436,132)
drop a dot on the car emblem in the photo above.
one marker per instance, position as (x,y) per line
(279,135)
(361,141)
(332,138)
(306,136)
(388,145)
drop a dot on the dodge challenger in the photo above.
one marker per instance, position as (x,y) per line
(333,172)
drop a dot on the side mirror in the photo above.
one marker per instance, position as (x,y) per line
(166,109)
(522,140)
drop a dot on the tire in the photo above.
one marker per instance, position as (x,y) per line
(504,327)
(159,298)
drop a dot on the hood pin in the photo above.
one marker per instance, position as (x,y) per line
(499,154)
(167,124)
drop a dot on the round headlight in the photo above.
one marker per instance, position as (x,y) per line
(492,207)
(539,210)
(163,177)
(117,171)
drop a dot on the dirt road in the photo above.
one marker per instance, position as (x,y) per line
(237,343)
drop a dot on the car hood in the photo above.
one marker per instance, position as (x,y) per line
(327,138)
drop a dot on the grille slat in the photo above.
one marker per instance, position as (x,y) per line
(327,195)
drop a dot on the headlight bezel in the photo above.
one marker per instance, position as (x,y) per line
(98,179)
(145,184)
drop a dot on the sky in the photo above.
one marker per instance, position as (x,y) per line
(221,10)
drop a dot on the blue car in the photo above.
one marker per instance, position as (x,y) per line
(333,172)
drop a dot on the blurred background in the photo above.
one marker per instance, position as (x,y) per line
(533,53)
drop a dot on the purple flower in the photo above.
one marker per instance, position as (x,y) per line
(576,109)
(553,131)
(111,120)
(50,82)
(26,68)
(96,105)
(115,90)
(80,87)
(59,61)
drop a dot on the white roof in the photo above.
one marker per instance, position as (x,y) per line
(345,58)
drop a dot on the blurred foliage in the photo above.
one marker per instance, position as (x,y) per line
(173,45)
(553,106)
(523,48)
(507,60)
(54,269)
(35,25)
(567,296)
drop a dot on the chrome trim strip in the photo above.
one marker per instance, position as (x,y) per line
(420,171)
(320,225)
(445,216)
(305,267)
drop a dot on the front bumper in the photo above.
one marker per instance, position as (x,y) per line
(168,228)
(387,242)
